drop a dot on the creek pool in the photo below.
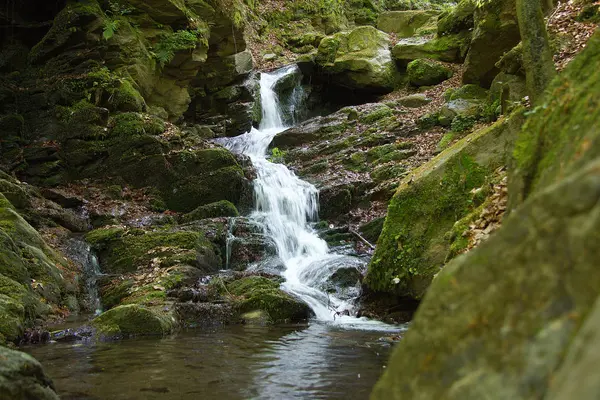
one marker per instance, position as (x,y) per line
(316,361)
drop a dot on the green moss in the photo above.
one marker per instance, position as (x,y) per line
(133,124)
(125,251)
(468,92)
(132,320)
(114,292)
(374,116)
(221,208)
(445,141)
(426,73)
(127,98)
(554,143)
(387,172)
(463,123)
(264,294)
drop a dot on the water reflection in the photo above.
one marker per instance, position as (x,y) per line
(237,362)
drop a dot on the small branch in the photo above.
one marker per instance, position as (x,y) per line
(365,241)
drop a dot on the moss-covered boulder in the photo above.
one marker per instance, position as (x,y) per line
(458,19)
(30,279)
(452,48)
(22,377)
(517,315)
(512,301)
(127,250)
(562,133)
(221,208)
(408,23)
(359,59)
(496,32)
(133,320)
(412,247)
(262,294)
(423,72)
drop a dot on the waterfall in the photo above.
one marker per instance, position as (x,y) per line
(82,254)
(286,205)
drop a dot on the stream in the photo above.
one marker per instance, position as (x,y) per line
(233,362)
(336,356)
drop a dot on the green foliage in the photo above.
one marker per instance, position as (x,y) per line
(165,49)
(277,155)
(110,27)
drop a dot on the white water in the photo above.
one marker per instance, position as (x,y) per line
(286,205)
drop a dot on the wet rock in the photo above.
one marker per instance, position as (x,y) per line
(335,201)
(204,315)
(198,294)
(248,246)
(263,294)
(310,130)
(64,199)
(22,377)
(73,335)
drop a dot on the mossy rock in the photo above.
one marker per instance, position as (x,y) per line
(263,294)
(22,377)
(359,59)
(469,92)
(378,113)
(459,19)
(123,250)
(496,32)
(512,302)
(423,72)
(452,48)
(426,205)
(562,132)
(221,208)
(133,320)
(406,23)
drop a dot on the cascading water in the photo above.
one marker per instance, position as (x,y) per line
(285,205)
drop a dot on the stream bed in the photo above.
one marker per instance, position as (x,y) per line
(316,361)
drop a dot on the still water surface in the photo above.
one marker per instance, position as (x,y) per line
(233,362)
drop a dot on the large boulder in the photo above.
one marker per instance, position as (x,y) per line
(407,23)
(496,32)
(517,316)
(257,293)
(413,246)
(359,59)
(22,377)
(127,250)
(452,48)
(502,318)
